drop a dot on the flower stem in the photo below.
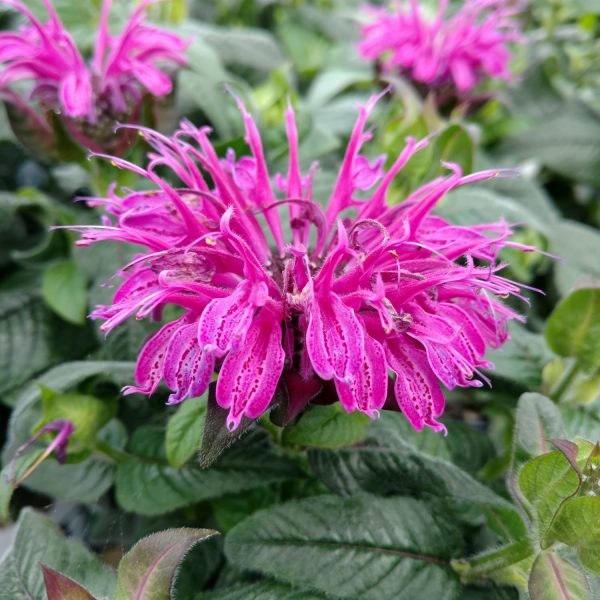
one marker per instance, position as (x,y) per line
(489,564)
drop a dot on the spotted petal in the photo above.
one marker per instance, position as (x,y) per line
(417,390)
(188,369)
(249,376)
(367,388)
(334,338)
(225,321)
(150,363)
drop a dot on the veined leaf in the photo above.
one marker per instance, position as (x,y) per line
(553,578)
(148,485)
(38,541)
(364,547)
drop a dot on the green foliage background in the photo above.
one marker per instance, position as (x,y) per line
(333,506)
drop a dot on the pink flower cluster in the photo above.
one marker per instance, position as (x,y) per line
(123,68)
(340,292)
(459,50)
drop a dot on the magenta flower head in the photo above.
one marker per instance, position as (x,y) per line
(457,51)
(329,296)
(91,96)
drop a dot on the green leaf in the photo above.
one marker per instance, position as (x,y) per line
(565,141)
(305,47)
(147,571)
(577,524)
(199,566)
(456,145)
(328,84)
(32,338)
(578,246)
(537,421)
(230,510)
(38,541)
(478,204)
(201,85)
(464,445)
(327,427)
(184,431)
(553,578)
(388,464)
(363,547)
(148,485)
(247,47)
(522,359)
(61,587)
(545,481)
(64,290)
(573,328)
(263,590)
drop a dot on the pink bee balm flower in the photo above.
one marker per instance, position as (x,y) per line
(341,294)
(460,50)
(92,96)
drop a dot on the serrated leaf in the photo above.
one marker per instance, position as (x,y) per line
(37,540)
(327,427)
(184,431)
(573,328)
(198,567)
(32,338)
(64,291)
(387,464)
(364,547)
(545,481)
(147,571)
(577,524)
(464,445)
(553,578)
(61,587)
(150,486)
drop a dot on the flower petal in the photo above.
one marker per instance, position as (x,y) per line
(76,93)
(367,388)
(249,376)
(334,338)
(149,367)
(187,370)
(417,390)
(224,322)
